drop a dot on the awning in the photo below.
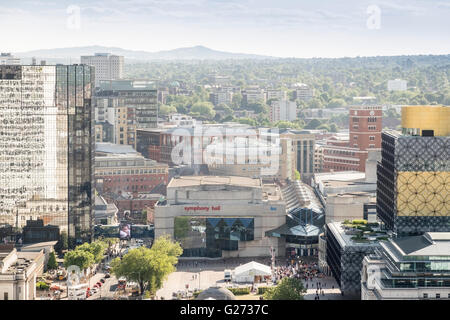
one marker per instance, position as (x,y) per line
(297,231)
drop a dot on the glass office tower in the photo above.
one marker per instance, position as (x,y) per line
(46,147)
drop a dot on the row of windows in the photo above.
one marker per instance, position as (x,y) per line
(372,138)
(133,188)
(337,168)
(342,161)
(438,296)
(136,171)
(341,152)
(134,179)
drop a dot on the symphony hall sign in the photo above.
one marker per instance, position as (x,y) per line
(199,208)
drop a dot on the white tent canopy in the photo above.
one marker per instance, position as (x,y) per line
(248,271)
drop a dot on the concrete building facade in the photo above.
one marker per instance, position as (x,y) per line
(107,66)
(221,216)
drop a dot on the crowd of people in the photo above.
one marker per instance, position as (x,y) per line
(307,271)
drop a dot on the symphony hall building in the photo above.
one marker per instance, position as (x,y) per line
(221,216)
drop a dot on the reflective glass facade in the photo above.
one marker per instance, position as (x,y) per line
(413,271)
(207,236)
(46,147)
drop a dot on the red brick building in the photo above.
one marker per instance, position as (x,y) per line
(365,125)
(121,173)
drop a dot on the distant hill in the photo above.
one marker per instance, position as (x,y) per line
(65,55)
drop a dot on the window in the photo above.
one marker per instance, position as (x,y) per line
(355,137)
(425,295)
(438,295)
(5,296)
(371,138)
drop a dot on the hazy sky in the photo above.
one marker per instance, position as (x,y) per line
(284,28)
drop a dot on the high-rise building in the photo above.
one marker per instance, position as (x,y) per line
(253,94)
(107,66)
(8,59)
(127,105)
(276,94)
(413,176)
(221,96)
(303,92)
(302,152)
(397,85)
(365,127)
(283,110)
(46,147)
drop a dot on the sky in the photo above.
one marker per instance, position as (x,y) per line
(281,28)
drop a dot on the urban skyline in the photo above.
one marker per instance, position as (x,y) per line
(200,174)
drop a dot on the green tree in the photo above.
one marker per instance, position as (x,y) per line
(149,267)
(313,124)
(333,127)
(96,248)
(314,104)
(165,110)
(297,175)
(82,259)
(204,109)
(324,126)
(336,103)
(52,264)
(287,289)
(63,243)
(258,107)
(249,121)
(236,101)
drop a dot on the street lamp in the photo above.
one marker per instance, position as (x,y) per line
(199,277)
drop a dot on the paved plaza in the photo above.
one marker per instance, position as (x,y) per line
(194,274)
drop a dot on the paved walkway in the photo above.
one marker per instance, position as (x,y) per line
(208,273)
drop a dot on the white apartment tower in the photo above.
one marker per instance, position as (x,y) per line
(107,66)
(284,110)
(7,58)
(397,85)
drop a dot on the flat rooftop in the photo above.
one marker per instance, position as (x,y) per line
(340,176)
(190,181)
(113,148)
(344,236)
(342,184)
(351,194)
(428,244)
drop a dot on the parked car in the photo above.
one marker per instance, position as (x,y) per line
(107,276)
(102,280)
